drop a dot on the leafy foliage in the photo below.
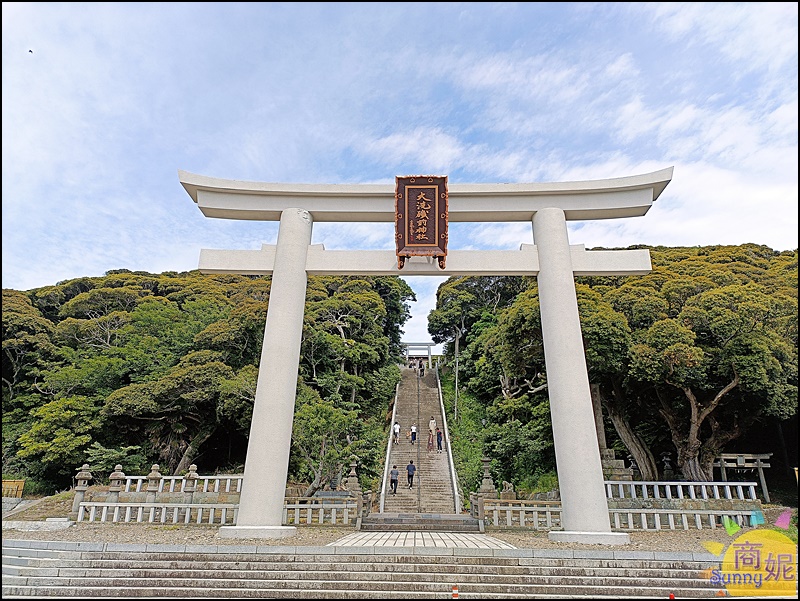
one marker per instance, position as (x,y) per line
(137,368)
(162,368)
(686,359)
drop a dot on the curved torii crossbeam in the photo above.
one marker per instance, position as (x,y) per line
(548,206)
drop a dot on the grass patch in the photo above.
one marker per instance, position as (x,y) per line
(466,434)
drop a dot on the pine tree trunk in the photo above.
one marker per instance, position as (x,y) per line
(192,450)
(636,446)
(693,470)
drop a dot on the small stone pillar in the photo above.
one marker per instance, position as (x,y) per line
(82,477)
(189,488)
(487,488)
(190,484)
(153,481)
(352,479)
(116,483)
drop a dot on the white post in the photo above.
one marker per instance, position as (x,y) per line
(580,473)
(267,463)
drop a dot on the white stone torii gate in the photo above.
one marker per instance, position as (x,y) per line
(548,206)
(418,346)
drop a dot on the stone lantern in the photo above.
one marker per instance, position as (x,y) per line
(116,483)
(153,482)
(82,477)
(352,479)
(669,473)
(487,488)
(189,488)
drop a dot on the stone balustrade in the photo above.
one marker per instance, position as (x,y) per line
(198,499)
(313,511)
(160,513)
(627,489)
(226,483)
(634,505)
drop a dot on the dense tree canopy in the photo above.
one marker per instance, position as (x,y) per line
(685,359)
(134,367)
(138,368)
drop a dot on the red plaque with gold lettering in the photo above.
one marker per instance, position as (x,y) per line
(421,217)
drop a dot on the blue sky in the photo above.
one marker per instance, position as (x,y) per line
(115,98)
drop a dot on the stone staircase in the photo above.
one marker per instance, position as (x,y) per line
(105,570)
(433,489)
(421,522)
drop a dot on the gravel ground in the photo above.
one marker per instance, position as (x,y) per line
(664,541)
(690,541)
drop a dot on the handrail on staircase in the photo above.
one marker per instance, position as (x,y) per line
(385,481)
(453,476)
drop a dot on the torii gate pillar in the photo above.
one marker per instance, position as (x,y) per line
(552,259)
(261,501)
(580,472)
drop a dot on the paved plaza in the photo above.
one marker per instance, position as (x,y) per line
(445,540)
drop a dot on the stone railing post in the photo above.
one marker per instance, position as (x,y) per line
(190,484)
(153,481)
(476,509)
(116,482)
(82,477)
(189,488)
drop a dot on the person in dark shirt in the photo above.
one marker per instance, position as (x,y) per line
(411,469)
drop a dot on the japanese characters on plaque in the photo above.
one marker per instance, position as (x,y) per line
(421,217)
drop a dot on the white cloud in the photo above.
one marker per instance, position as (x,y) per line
(116,99)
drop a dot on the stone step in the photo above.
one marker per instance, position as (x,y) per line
(205,569)
(388,527)
(347,573)
(419,522)
(75,554)
(374,581)
(345,591)
(433,469)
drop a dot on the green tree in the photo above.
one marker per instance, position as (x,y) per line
(717,368)
(60,433)
(322,435)
(27,345)
(343,336)
(176,413)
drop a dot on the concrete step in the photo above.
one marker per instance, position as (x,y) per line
(416,405)
(344,590)
(418,522)
(347,573)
